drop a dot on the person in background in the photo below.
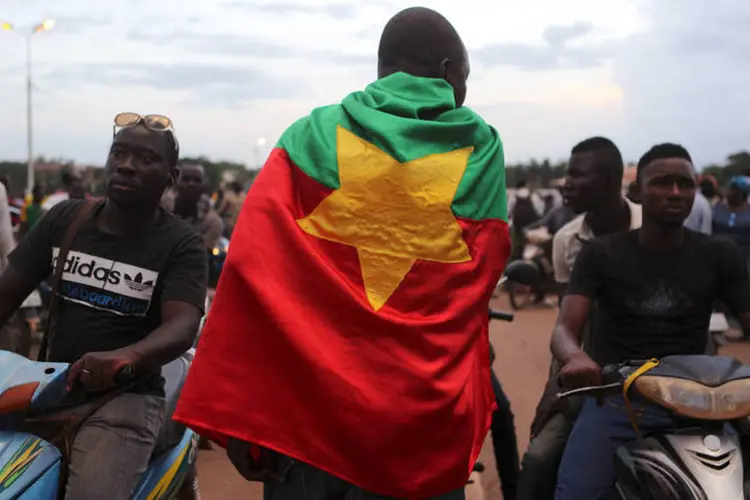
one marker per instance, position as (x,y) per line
(193,205)
(74,184)
(553,221)
(709,187)
(648,306)
(7,241)
(731,219)
(593,189)
(5,181)
(632,193)
(549,203)
(32,212)
(230,207)
(74,188)
(700,218)
(524,208)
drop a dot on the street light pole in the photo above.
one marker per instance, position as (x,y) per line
(29,124)
(45,25)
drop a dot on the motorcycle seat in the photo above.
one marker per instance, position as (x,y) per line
(174,374)
(711,371)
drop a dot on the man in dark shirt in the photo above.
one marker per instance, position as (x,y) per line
(655,288)
(131,294)
(593,191)
(192,204)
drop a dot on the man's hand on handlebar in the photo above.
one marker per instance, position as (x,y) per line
(580,371)
(99,371)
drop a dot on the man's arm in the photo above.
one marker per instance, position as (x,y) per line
(214,228)
(544,221)
(183,298)
(174,336)
(6,228)
(15,286)
(733,286)
(566,336)
(28,264)
(578,368)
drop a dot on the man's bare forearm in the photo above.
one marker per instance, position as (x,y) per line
(166,343)
(565,344)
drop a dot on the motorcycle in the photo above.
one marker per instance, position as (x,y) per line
(703,458)
(30,467)
(520,294)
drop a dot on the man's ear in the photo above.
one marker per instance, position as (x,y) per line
(443,70)
(174,175)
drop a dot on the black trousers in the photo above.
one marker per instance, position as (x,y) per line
(505,443)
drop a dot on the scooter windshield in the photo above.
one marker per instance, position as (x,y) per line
(29,385)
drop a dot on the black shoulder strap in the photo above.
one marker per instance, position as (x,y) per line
(79,218)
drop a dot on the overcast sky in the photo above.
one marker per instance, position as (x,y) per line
(545,73)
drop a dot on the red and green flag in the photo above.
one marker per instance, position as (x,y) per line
(349,328)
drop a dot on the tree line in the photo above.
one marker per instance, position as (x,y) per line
(543,172)
(51,179)
(540,173)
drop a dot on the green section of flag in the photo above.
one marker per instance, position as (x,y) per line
(408,117)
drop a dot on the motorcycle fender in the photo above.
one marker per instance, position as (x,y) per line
(167,472)
(681,467)
(29,467)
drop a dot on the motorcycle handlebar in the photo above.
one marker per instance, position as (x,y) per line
(500,315)
(125,375)
(613,378)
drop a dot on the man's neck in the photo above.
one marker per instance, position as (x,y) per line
(610,217)
(661,238)
(120,221)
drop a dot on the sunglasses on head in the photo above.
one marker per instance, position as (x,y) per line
(156,123)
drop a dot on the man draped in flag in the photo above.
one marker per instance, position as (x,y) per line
(346,352)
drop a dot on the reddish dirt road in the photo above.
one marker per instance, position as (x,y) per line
(522,365)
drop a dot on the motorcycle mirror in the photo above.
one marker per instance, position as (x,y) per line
(522,272)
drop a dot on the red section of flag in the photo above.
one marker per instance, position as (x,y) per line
(294,358)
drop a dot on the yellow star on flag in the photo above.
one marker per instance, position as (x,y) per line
(393,213)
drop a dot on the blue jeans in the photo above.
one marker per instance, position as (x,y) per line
(587,471)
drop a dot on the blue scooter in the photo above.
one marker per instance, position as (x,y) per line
(30,466)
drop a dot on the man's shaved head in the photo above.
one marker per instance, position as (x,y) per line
(421,42)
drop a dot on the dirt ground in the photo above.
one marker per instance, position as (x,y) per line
(522,365)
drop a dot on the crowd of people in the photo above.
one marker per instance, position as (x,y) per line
(346,355)
(213,215)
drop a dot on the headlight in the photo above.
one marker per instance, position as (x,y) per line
(215,251)
(694,400)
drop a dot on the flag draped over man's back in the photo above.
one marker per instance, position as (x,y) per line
(349,328)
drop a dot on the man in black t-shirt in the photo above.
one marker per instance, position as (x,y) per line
(131,294)
(655,288)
